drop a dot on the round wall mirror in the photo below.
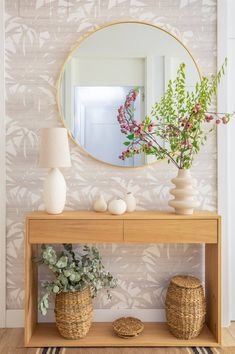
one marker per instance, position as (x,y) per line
(103,69)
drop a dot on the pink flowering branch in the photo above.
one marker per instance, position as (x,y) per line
(178,119)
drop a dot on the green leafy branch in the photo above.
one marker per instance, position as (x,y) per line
(176,128)
(73,272)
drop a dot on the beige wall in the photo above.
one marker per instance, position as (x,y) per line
(39,34)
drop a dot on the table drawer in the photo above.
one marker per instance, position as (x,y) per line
(171,231)
(75,231)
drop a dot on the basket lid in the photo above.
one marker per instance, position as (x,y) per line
(186,281)
(128,326)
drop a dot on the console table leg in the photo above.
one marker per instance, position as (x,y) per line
(31,290)
(213,296)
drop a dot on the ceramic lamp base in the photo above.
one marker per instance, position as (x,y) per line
(54,192)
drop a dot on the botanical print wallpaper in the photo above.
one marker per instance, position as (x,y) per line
(39,34)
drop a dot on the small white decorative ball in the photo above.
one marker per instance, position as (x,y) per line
(117,206)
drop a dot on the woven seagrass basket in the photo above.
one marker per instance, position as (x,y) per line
(185,307)
(73,313)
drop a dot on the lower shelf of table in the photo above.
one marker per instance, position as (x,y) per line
(101,335)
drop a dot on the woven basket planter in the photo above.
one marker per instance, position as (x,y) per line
(185,307)
(73,313)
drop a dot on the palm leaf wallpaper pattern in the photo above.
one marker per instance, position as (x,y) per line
(39,34)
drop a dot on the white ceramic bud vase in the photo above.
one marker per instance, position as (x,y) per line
(185,194)
(54,192)
(130,202)
(100,204)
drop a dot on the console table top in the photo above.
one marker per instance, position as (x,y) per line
(144,215)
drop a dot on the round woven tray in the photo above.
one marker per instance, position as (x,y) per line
(73,313)
(128,327)
(185,307)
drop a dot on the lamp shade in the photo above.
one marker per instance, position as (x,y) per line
(54,148)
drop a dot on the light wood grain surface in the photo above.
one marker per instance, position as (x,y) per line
(12,342)
(171,231)
(31,292)
(143,226)
(75,231)
(152,214)
(101,335)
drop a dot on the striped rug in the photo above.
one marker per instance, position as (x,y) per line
(169,350)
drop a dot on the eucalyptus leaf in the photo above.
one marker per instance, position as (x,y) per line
(62,262)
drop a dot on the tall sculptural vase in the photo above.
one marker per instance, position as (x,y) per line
(185,195)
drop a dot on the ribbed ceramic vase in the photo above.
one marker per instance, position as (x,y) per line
(184,193)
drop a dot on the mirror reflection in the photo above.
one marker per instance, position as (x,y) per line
(102,71)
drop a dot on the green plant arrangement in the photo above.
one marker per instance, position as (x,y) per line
(175,129)
(73,271)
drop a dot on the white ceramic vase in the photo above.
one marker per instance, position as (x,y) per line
(117,206)
(54,192)
(184,193)
(100,204)
(130,202)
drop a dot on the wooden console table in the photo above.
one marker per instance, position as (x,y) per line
(138,227)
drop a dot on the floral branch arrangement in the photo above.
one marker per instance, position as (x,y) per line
(73,272)
(175,129)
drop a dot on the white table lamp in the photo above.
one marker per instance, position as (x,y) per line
(54,153)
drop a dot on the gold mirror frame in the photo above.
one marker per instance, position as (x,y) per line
(75,47)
